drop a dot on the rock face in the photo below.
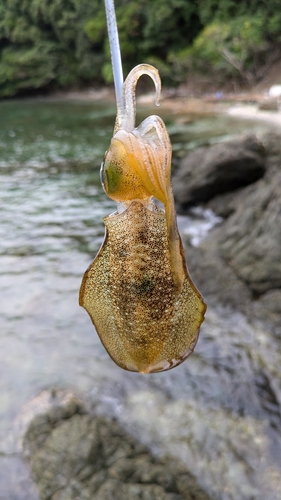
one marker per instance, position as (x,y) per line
(74,454)
(221,168)
(241,259)
(251,238)
(217,281)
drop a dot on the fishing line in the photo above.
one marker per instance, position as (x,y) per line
(115,52)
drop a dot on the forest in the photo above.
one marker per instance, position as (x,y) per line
(61,44)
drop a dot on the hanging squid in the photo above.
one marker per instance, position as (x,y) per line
(137,291)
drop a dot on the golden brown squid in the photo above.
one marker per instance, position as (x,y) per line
(137,291)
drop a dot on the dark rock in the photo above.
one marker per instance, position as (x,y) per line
(226,204)
(268,307)
(85,456)
(239,263)
(269,105)
(214,278)
(220,285)
(272,145)
(250,240)
(217,169)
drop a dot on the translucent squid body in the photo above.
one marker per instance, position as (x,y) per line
(137,291)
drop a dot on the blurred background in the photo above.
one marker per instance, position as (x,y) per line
(62,43)
(218,414)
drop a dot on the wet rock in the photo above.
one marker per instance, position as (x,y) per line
(269,105)
(272,145)
(224,167)
(215,279)
(80,455)
(250,240)
(226,204)
(268,307)
(239,264)
(220,285)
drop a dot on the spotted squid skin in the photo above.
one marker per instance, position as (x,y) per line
(129,294)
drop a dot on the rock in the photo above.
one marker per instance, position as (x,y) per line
(84,456)
(268,105)
(239,263)
(220,285)
(209,171)
(217,281)
(272,145)
(44,411)
(268,307)
(226,204)
(250,240)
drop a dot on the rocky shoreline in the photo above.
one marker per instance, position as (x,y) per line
(76,452)
(240,180)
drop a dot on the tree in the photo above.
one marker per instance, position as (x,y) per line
(62,43)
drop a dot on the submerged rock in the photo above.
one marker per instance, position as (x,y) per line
(209,171)
(74,454)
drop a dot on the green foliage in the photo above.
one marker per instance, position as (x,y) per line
(241,48)
(61,43)
(43,42)
(227,10)
(147,31)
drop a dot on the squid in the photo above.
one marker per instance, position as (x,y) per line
(138,292)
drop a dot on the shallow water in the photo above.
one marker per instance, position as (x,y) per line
(219,411)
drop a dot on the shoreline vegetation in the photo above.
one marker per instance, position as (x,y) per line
(198,96)
(59,45)
(207,89)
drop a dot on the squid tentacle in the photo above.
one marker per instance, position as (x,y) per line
(126,116)
(154,137)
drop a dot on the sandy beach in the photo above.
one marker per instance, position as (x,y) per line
(251,111)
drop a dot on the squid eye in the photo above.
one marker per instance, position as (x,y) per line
(110,177)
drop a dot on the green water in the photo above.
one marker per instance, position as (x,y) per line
(207,412)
